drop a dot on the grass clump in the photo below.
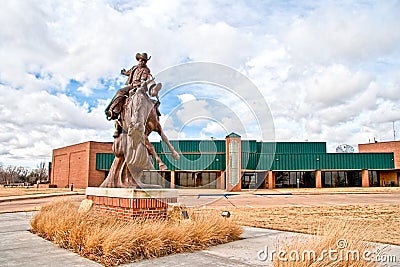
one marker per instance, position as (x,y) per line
(333,244)
(110,241)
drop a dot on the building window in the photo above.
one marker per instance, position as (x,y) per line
(326,179)
(354,178)
(248,180)
(196,180)
(254,180)
(398,178)
(341,178)
(374,179)
(158,178)
(295,179)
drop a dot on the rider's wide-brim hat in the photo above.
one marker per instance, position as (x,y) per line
(142,56)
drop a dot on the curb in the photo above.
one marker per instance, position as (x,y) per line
(16,198)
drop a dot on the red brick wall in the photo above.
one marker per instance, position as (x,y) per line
(78,172)
(97,177)
(59,170)
(77,164)
(383,147)
(128,208)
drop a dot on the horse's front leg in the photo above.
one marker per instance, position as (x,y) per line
(152,151)
(175,154)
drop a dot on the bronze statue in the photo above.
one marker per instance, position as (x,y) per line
(136,76)
(138,116)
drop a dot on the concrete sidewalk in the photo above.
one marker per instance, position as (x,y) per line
(18,247)
(201,193)
(35,196)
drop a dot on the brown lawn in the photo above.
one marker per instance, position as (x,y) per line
(377,223)
(21,191)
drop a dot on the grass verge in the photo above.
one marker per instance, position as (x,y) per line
(111,242)
(333,244)
(24,191)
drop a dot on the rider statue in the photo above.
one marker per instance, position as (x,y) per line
(136,76)
(136,115)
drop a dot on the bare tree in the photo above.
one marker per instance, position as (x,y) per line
(22,174)
(2,174)
(40,173)
(14,174)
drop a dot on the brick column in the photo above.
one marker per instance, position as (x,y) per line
(271,180)
(318,179)
(221,184)
(364,178)
(172,183)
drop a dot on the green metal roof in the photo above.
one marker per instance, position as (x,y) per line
(210,155)
(194,162)
(104,161)
(291,147)
(233,135)
(283,162)
(251,146)
(191,146)
(319,161)
(185,162)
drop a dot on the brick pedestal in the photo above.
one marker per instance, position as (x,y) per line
(128,203)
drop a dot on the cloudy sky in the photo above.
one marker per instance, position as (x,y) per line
(324,70)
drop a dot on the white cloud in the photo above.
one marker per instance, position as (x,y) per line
(34,123)
(345,31)
(186,98)
(335,84)
(213,127)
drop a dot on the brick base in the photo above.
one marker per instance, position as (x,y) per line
(132,203)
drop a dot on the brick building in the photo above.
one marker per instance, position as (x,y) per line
(76,164)
(387,178)
(236,164)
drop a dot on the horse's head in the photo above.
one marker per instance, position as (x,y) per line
(137,112)
(150,87)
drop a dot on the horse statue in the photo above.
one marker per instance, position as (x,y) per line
(132,148)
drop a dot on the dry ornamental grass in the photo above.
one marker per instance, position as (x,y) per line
(333,244)
(111,241)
